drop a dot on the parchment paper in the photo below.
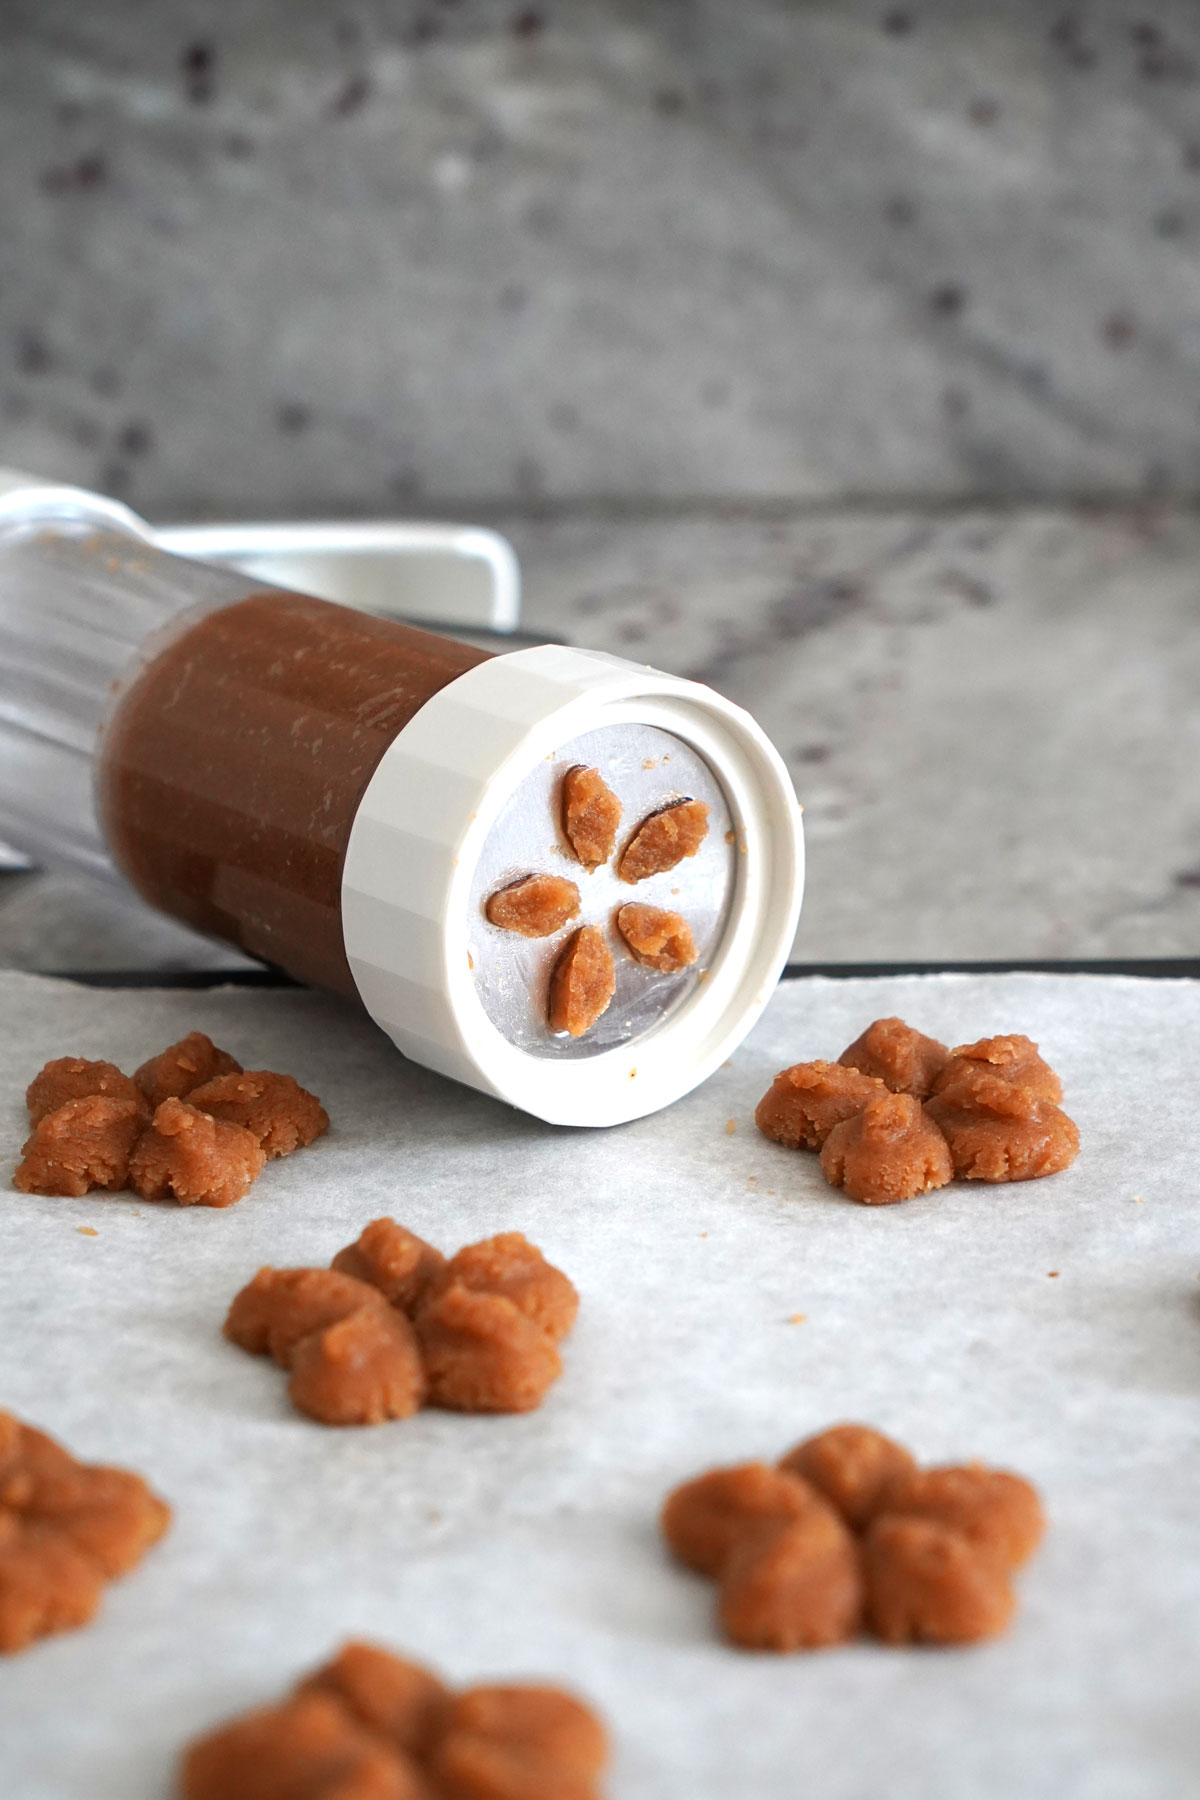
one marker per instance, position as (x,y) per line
(528,1546)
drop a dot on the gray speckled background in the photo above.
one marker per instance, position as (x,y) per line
(847,354)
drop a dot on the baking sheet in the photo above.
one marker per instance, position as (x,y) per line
(527,1546)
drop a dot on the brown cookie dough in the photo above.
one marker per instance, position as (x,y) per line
(900,1057)
(46,1585)
(83,1144)
(999,1132)
(582,983)
(926,1584)
(510,1265)
(792,1586)
(536,906)
(486,1326)
(65,1529)
(370,1726)
(933,1566)
(591,814)
(703,1519)
(175,1071)
(109,1515)
(360,1370)
(73,1078)
(310,1748)
(541,1722)
(663,839)
(1014,1059)
(851,1466)
(661,940)
(400,1700)
(394,1260)
(281,1114)
(191,1157)
(890,1151)
(272,1313)
(997,1512)
(483,1354)
(805,1102)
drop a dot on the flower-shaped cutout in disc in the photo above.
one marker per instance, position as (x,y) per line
(564,960)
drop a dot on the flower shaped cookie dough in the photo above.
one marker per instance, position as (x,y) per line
(584,979)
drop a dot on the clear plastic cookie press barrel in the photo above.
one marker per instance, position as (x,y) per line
(342,795)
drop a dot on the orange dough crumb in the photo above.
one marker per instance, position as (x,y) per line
(281,1114)
(360,1370)
(805,1102)
(591,814)
(1013,1059)
(662,940)
(898,1056)
(371,1726)
(664,839)
(73,1078)
(182,1067)
(583,982)
(927,1585)
(483,1354)
(394,1260)
(398,1699)
(999,1513)
(83,1144)
(65,1528)
(510,1265)
(890,1151)
(703,1519)
(793,1586)
(850,1465)
(535,907)
(195,1159)
(1000,1132)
